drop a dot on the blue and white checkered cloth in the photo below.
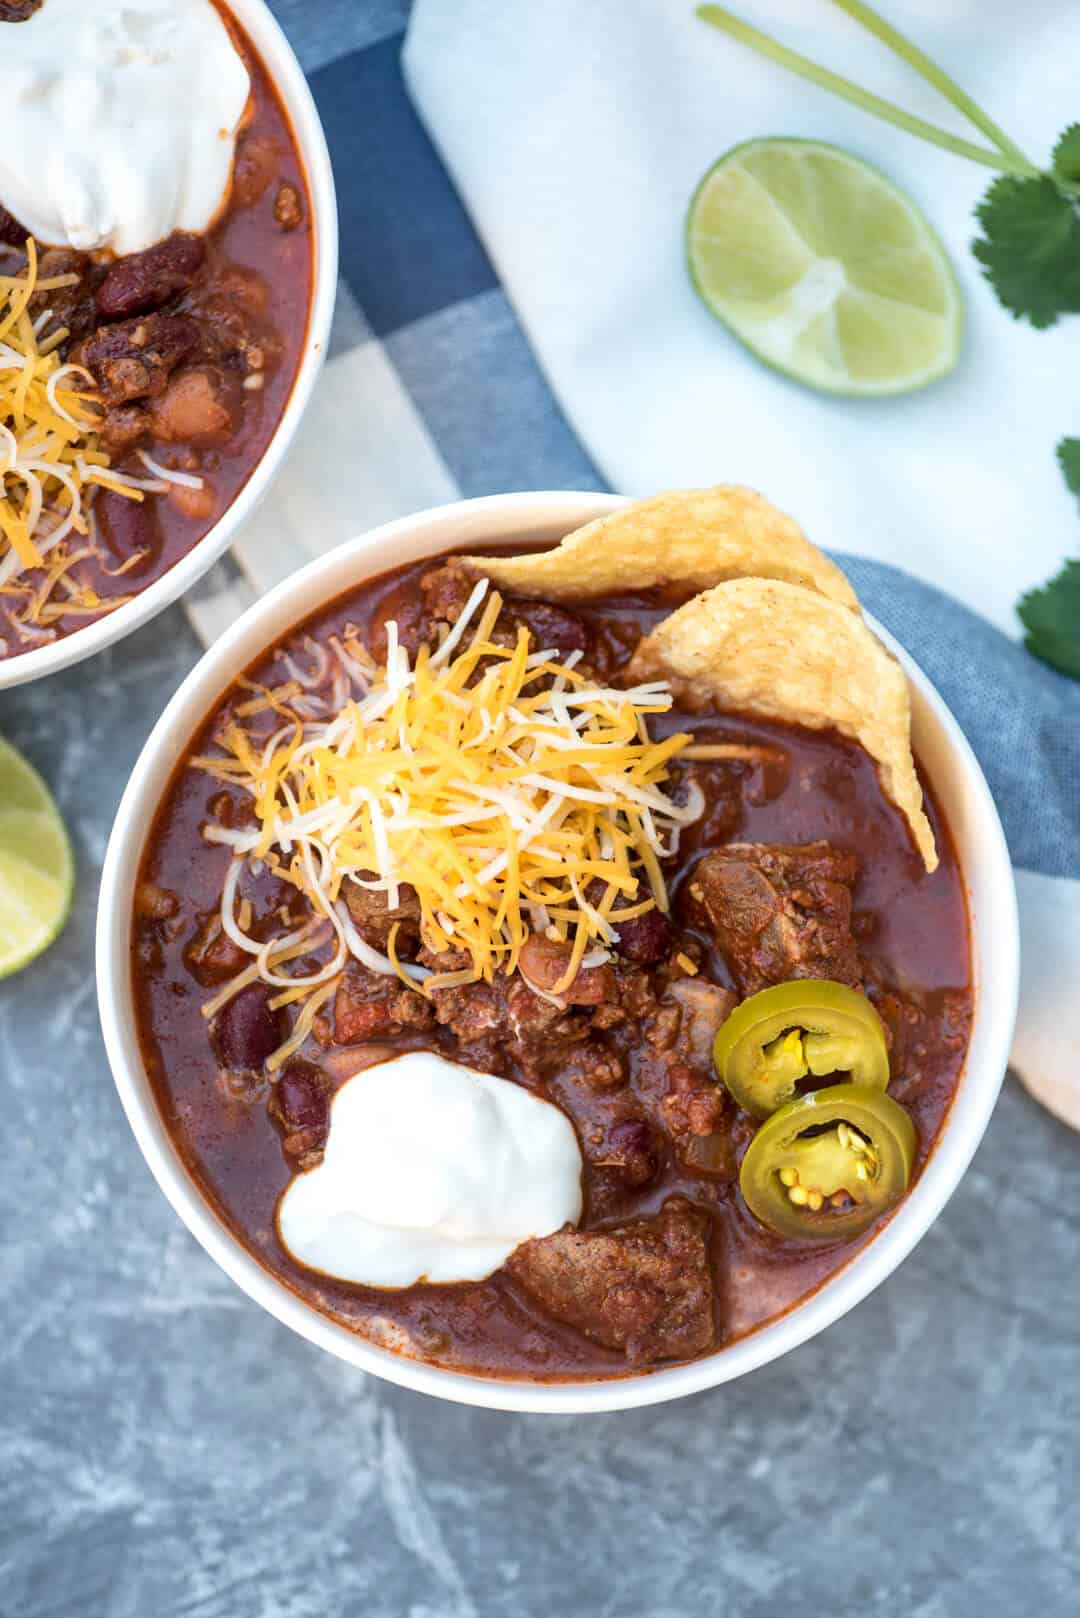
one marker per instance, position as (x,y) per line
(432,392)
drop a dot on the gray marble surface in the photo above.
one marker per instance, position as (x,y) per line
(168,1451)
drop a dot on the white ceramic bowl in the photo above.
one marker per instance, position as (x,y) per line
(262,28)
(961,788)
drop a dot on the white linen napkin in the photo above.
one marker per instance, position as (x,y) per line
(577,133)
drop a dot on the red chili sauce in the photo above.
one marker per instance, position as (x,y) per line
(910,930)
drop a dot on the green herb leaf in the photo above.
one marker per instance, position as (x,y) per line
(1066,155)
(1030,251)
(1051,617)
(1068,454)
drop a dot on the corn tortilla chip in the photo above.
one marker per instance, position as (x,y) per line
(681,542)
(777,650)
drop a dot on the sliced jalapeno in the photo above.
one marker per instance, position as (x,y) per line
(829,1163)
(780,1035)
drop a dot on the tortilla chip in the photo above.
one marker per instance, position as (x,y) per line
(776,650)
(680,542)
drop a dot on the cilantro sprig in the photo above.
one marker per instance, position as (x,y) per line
(1029,248)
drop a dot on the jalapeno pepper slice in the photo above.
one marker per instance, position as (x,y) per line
(829,1163)
(781,1034)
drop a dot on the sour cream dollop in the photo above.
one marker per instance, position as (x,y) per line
(120,120)
(431,1171)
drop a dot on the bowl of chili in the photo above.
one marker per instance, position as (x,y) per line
(784,1283)
(181,371)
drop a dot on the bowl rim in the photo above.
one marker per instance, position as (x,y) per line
(287,76)
(995,945)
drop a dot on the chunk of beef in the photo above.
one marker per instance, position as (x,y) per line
(246,1031)
(135,358)
(300,1105)
(778,913)
(643,1287)
(369,1005)
(211,956)
(692,1106)
(543,963)
(374,920)
(198,406)
(143,281)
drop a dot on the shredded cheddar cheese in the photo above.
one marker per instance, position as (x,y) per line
(508,791)
(50,459)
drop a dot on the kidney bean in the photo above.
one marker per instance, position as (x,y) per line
(300,1098)
(145,281)
(644,939)
(543,963)
(550,626)
(246,1031)
(629,1146)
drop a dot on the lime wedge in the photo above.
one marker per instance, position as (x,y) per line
(37,870)
(823,269)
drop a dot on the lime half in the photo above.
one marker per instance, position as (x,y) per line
(37,871)
(823,268)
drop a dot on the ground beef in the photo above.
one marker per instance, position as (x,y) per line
(503,1020)
(446,589)
(374,920)
(919,1026)
(370,1005)
(72,306)
(777,912)
(643,1287)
